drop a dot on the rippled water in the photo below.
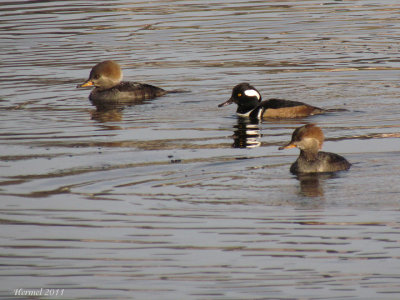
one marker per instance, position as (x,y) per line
(179,199)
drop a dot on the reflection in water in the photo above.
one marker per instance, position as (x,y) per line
(311,185)
(246,134)
(102,114)
(111,112)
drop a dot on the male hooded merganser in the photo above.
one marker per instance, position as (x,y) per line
(106,77)
(248,99)
(309,139)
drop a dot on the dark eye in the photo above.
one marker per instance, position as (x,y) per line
(97,76)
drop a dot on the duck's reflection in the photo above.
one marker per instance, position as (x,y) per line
(311,185)
(105,114)
(111,112)
(246,134)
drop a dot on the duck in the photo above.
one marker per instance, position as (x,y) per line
(309,139)
(106,78)
(250,105)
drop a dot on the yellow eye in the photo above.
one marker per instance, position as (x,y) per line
(239,95)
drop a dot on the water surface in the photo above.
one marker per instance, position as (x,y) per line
(176,198)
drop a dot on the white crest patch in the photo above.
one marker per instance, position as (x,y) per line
(252,93)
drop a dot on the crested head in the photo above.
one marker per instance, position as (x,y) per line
(309,131)
(104,75)
(245,92)
(245,96)
(308,137)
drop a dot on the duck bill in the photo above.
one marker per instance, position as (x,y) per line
(85,84)
(288,146)
(227,102)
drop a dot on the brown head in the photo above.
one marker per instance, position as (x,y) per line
(104,75)
(308,138)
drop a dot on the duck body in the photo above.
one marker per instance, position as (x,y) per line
(125,92)
(323,162)
(279,108)
(250,105)
(309,139)
(106,78)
